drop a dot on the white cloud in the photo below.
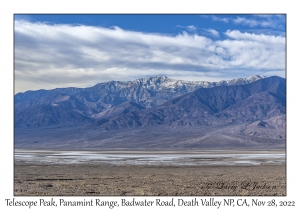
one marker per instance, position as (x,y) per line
(253,22)
(219,18)
(280,73)
(212,32)
(259,38)
(49,56)
(191,28)
(255,51)
(264,21)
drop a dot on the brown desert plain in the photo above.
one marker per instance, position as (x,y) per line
(132,173)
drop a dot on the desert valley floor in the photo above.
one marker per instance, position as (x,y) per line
(152,173)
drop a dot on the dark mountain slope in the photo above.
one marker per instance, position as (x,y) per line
(211,106)
(123,108)
(49,115)
(274,128)
(103,97)
(34,94)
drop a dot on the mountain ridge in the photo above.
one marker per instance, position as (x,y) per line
(206,102)
(30,94)
(117,113)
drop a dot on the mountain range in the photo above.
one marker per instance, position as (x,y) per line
(156,112)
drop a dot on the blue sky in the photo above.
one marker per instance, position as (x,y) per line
(82,50)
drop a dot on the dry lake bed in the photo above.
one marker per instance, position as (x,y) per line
(153,173)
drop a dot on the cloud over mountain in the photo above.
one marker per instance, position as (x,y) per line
(52,55)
